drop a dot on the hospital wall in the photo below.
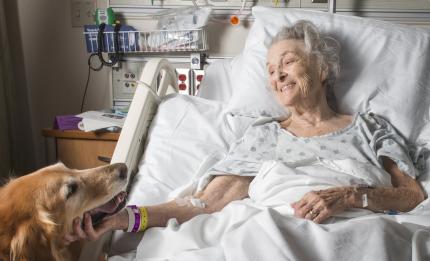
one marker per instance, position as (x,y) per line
(52,64)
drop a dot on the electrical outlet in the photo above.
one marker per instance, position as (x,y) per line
(82,12)
(198,78)
(184,83)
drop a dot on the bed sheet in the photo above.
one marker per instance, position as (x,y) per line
(190,134)
(245,232)
(262,228)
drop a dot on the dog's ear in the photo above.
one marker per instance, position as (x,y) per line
(28,243)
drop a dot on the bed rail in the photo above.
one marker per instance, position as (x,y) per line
(158,79)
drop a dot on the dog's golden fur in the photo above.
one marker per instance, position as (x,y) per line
(37,210)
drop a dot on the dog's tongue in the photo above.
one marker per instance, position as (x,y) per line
(111,205)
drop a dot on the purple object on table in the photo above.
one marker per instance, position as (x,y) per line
(66,122)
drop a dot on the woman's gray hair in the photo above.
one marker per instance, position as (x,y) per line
(325,49)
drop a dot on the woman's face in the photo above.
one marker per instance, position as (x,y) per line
(293,77)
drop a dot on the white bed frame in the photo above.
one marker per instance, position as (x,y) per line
(158,80)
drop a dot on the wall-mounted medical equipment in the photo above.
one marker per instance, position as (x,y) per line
(132,41)
(124,80)
(128,39)
(124,83)
(179,29)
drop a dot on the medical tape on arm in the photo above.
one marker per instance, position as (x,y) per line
(364,200)
(190,201)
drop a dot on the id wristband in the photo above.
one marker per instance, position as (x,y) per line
(143,219)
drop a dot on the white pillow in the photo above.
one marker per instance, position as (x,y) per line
(216,84)
(384,68)
(251,93)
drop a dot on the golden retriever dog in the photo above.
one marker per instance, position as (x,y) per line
(37,210)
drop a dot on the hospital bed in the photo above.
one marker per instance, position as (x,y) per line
(384,69)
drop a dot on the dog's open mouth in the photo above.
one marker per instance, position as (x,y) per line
(109,208)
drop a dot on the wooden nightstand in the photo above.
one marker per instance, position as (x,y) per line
(82,150)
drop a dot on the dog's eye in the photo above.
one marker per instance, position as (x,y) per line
(73,187)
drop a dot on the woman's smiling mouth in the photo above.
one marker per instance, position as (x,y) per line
(288,86)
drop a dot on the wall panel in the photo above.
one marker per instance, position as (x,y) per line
(226,40)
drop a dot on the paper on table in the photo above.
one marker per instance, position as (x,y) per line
(95,120)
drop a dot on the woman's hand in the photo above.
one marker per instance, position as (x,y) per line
(87,231)
(322,204)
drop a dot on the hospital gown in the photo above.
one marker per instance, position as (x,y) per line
(366,139)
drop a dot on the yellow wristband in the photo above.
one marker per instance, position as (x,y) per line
(143,219)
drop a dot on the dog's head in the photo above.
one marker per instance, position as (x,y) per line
(38,209)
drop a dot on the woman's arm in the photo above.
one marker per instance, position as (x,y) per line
(217,194)
(405,195)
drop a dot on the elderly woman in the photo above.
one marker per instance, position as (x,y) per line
(301,66)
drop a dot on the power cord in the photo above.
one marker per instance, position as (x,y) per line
(90,67)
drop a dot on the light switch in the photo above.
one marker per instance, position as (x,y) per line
(83,12)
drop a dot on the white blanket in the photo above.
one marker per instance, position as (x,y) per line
(262,228)
(187,136)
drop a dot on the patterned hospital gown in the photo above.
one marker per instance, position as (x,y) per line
(365,139)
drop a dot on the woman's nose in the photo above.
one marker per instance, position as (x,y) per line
(281,76)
